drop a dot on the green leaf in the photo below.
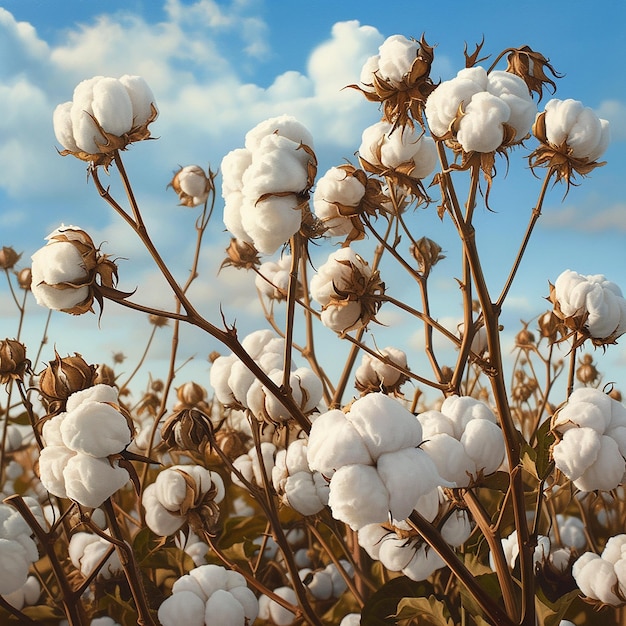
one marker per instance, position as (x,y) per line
(240,529)
(429,611)
(381,606)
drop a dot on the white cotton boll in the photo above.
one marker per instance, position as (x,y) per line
(141,97)
(461,409)
(51,430)
(62,122)
(283,125)
(406,145)
(232,167)
(513,90)
(344,318)
(97,393)
(423,564)
(112,106)
(443,104)
(27,594)
(233,202)
(278,165)
(218,378)
(571,532)
(615,549)
(480,128)
(90,481)
(484,444)
(368,71)
(224,609)
(407,475)
(158,519)
(434,423)
(258,341)
(279,615)
(273,278)
(183,607)
(334,190)
(334,442)
(318,583)
(384,424)
(52,463)
(597,579)
(14,565)
(586,407)
(606,472)
(248,601)
(95,428)
(449,456)
(396,56)
(396,553)
(271,222)
(457,528)
(373,372)
(358,496)
(89,553)
(371,537)
(371,140)
(240,380)
(576,451)
(86,134)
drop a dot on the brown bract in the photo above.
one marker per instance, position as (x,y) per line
(13,361)
(8,258)
(200,510)
(427,253)
(530,66)
(404,104)
(114,143)
(62,378)
(558,159)
(241,255)
(188,429)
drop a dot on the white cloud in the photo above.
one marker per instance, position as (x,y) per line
(584,219)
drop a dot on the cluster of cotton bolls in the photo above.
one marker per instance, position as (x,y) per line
(86,552)
(348,291)
(602,577)
(252,468)
(373,457)
(209,594)
(481,111)
(18,549)
(177,492)
(75,462)
(27,595)
(105,114)
(273,277)
(590,303)
(300,488)
(591,440)
(265,183)
(400,549)
(463,439)
(235,385)
(392,64)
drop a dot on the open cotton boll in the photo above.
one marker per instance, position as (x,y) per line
(86,135)
(276,613)
(232,167)
(424,562)
(86,551)
(461,409)
(480,128)
(271,222)
(52,463)
(586,407)
(90,481)
(95,428)
(283,125)
(449,455)
(358,496)
(615,549)
(97,393)
(62,123)
(606,472)
(27,594)
(183,607)
(159,520)
(384,424)
(224,609)
(457,528)
(14,566)
(273,278)
(141,97)
(112,106)
(334,442)
(576,451)
(396,56)
(484,444)
(596,578)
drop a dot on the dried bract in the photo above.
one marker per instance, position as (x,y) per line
(241,255)
(8,258)
(63,377)
(530,66)
(427,253)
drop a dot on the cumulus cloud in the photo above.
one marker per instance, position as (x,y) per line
(585,219)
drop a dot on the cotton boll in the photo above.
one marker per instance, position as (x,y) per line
(90,481)
(484,444)
(97,393)
(571,532)
(14,566)
(86,551)
(384,424)
(424,562)
(270,610)
(407,475)
(224,609)
(450,458)
(352,619)
(232,167)
(480,128)
(358,496)
(576,451)
(283,125)
(371,538)
(62,122)
(615,549)
(112,106)
(334,442)
(596,578)
(457,528)
(607,471)
(461,409)
(95,428)
(396,553)
(27,594)
(52,463)
(434,423)
(218,378)
(86,135)
(396,56)
(141,97)
(183,607)
(158,519)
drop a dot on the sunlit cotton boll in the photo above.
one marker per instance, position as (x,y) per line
(273,278)
(593,302)
(250,467)
(87,550)
(570,122)
(26,595)
(333,191)
(395,58)
(275,613)
(386,147)
(596,578)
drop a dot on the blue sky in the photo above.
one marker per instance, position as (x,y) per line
(218,68)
